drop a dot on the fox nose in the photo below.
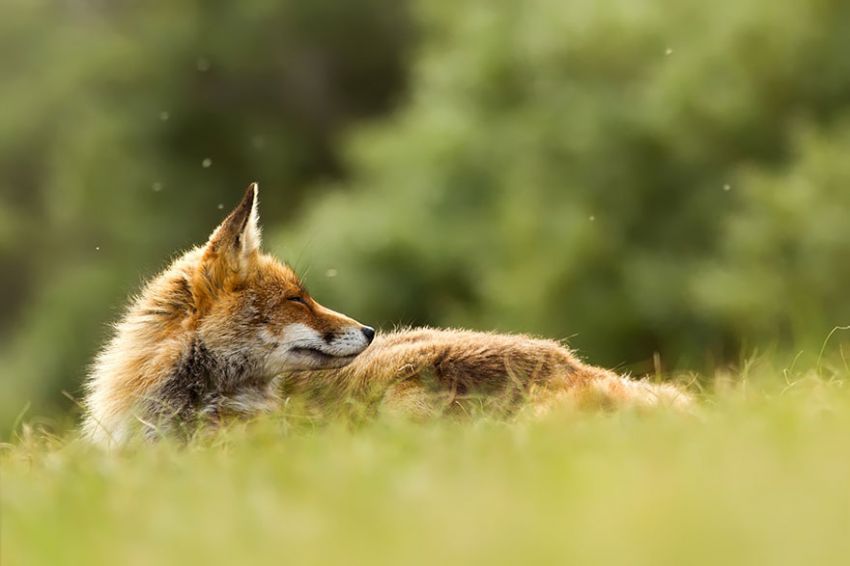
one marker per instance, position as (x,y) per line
(369,333)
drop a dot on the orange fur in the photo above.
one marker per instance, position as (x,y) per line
(225,327)
(426,372)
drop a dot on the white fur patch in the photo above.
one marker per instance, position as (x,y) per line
(349,342)
(302,347)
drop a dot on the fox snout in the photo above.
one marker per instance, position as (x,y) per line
(349,341)
(304,347)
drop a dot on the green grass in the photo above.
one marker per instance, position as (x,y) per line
(760,476)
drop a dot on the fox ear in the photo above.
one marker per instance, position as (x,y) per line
(236,242)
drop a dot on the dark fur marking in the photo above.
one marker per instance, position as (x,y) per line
(199,386)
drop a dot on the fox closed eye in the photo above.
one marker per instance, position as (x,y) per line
(297,300)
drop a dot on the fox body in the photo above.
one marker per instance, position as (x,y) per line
(425,372)
(226,329)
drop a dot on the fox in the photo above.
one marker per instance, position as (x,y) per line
(228,331)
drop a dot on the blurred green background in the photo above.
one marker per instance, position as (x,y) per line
(666,178)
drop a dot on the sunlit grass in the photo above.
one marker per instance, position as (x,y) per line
(760,476)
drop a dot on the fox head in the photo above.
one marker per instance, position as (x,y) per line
(250,306)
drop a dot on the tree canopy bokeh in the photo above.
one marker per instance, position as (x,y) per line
(662,177)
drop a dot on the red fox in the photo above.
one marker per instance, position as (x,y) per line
(226,330)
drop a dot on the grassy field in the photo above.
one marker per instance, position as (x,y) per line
(760,476)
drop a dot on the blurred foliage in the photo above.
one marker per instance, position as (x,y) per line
(641,177)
